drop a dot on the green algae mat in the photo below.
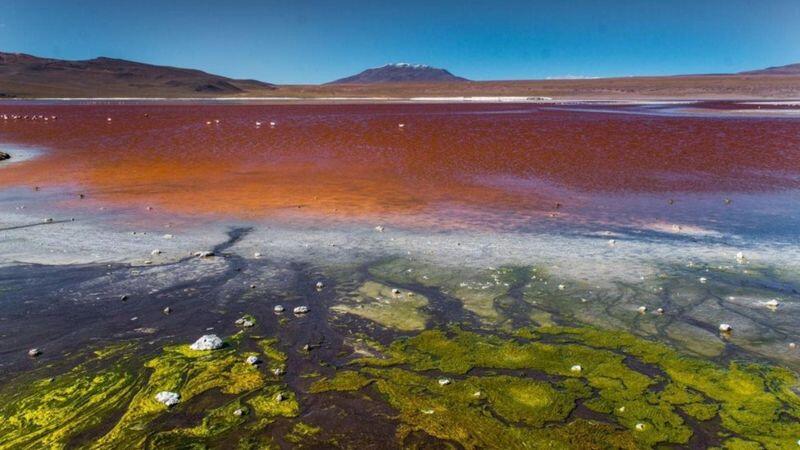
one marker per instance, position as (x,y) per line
(546,387)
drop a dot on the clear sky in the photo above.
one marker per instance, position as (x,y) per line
(310,41)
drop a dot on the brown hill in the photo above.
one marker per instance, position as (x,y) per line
(24,75)
(790,69)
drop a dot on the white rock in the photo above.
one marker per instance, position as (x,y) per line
(168,398)
(792,345)
(300,310)
(561,287)
(155,252)
(279,308)
(639,426)
(740,258)
(244,322)
(703,280)
(257,255)
(279,397)
(34,352)
(396,291)
(204,254)
(320,285)
(238,412)
(725,328)
(576,368)
(252,360)
(379,228)
(642,309)
(444,381)
(772,304)
(621,409)
(168,236)
(277,371)
(660,311)
(207,342)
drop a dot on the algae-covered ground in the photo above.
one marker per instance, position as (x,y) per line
(398,353)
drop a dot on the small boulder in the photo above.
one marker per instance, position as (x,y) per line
(252,360)
(207,342)
(320,285)
(238,412)
(444,381)
(279,308)
(576,368)
(725,328)
(300,310)
(34,352)
(168,398)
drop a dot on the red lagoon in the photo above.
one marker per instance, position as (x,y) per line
(403,160)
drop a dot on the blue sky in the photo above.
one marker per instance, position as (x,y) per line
(308,41)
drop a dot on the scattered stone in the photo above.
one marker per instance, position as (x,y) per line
(34,352)
(168,398)
(167,310)
(277,371)
(642,309)
(379,228)
(207,342)
(612,242)
(48,220)
(257,255)
(725,328)
(245,322)
(279,308)
(561,287)
(320,285)
(639,426)
(252,360)
(703,280)
(124,298)
(279,397)
(444,381)
(621,409)
(396,291)
(772,304)
(155,252)
(300,310)
(238,412)
(660,311)
(204,254)
(576,368)
(740,258)
(168,236)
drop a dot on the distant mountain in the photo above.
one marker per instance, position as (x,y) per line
(791,69)
(24,75)
(401,73)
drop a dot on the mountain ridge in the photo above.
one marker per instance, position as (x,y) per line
(400,73)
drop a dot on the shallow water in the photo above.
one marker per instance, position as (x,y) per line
(503,220)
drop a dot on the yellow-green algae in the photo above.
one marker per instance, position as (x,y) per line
(378,303)
(476,289)
(46,413)
(754,403)
(301,431)
(50,414)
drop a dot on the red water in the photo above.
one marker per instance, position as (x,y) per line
(351,161)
